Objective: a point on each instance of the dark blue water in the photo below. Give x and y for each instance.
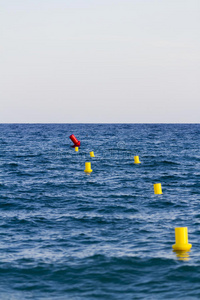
(68, 235)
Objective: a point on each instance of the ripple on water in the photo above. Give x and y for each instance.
(104, 236)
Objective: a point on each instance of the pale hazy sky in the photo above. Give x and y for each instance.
(99, 61)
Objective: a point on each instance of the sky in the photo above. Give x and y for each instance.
(99, 61)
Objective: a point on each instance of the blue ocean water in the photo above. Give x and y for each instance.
(68, 235)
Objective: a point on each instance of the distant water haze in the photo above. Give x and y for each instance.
(99, 61)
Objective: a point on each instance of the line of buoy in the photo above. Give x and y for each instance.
(181, 233)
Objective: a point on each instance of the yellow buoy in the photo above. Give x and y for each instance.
(136, 160)
(92, 154)
(157, 188)
(88, 167)
(181, 237)
(76, 149)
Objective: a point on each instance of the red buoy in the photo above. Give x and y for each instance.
(75, 141)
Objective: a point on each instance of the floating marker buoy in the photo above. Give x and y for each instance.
(88, 167)
(76, 149)
(136, 160)
(157, 188)
(181, 237)
(75, 141)
(92, 154)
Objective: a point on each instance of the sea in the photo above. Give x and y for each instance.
(67, 234)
